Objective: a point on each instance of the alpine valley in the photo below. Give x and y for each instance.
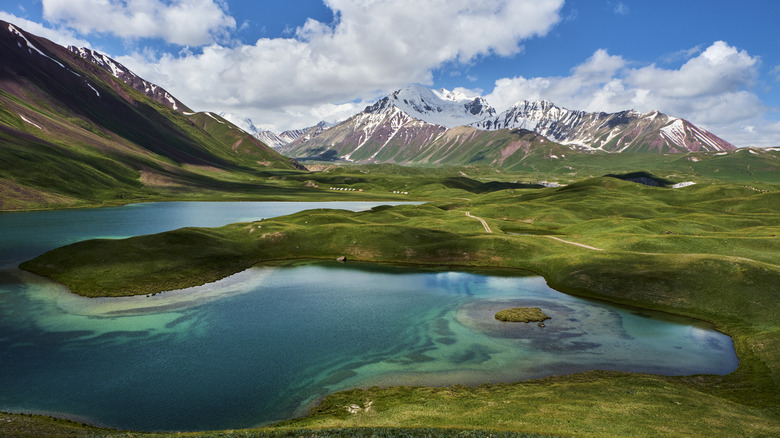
(141, 317)
(79, 128)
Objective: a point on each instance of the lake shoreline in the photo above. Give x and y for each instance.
(422, 267)
(416, 268)
(700, 286)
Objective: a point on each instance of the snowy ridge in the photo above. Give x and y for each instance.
(270, 138)
(616, 132)
(100, 59)
(30, 46)
(305, 133)
(675, 131)
(405, 124)
(244, 124)
(125, 75)
(438, 107)
(292, 134)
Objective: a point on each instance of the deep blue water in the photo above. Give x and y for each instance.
(263, 344)
(26, 235)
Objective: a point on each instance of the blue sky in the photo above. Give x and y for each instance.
(291, 64)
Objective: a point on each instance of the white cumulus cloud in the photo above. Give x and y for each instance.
(570, 91)
(372, 47)
(712, 89)
(62, 37)
(183, 22)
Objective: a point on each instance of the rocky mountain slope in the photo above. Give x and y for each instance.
(626, 131)
(72, 130)
(124, 74)
(374, 135)
(391, 136)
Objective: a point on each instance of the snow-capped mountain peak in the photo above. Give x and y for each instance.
(439, 107)
(242, 122)
(247, 125)
(453, 95)
(271, 138)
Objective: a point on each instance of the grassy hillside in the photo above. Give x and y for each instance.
(742, 165)
(705, 251)
(73, 134)
(519, 155)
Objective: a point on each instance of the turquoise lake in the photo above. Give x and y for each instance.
(264, 344)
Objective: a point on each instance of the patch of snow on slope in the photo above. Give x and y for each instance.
(93, 89)
(171, 100)
(612, 134)
(683, 184)
(12, 29)
(704, 138)
(212, 116)
(30, 122)
(675, 132)
(115, 70)
(396, 126)
(370, 122)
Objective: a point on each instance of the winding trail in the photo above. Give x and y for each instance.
(593, 248)
(575, 243)
(484, 224)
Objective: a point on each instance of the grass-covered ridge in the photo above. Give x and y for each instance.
(705, 251)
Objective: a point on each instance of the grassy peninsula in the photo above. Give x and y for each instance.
(708, 251)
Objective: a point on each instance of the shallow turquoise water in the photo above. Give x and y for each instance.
(261, 345)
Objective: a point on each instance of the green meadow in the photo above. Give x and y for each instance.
(709, 251)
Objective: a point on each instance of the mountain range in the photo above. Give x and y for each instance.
(625, 131)
(76, 125)
(270, 138)
(416, 125)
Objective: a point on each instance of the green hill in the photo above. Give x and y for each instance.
(72, 133)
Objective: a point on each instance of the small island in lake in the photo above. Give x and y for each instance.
(522, 314)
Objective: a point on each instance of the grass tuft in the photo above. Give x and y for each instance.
(522, 314)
